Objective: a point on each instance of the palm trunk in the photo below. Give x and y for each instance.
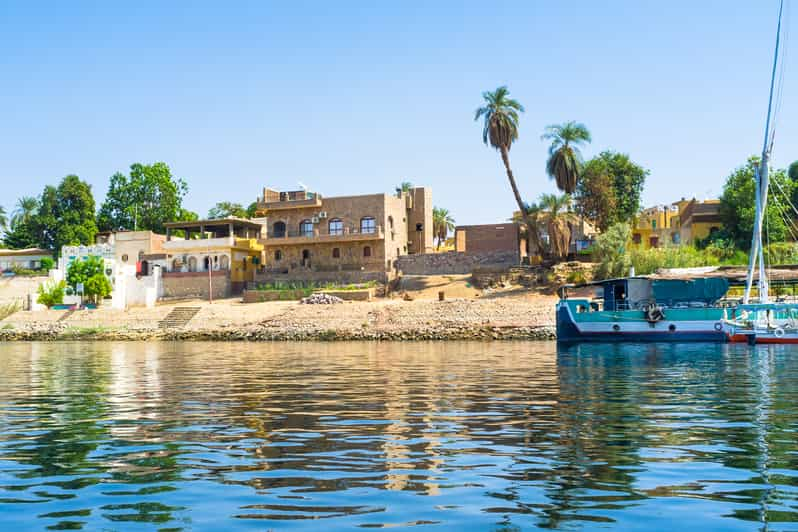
(531, 227)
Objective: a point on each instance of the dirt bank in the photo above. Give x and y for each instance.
(505, 315)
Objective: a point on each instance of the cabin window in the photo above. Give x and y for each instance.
(306, 228)
(368, 225)
(336, 227)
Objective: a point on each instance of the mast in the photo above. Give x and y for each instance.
(762, 183)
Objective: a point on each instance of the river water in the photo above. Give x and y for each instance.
(440, 436)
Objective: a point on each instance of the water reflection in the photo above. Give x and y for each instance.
(499, 436)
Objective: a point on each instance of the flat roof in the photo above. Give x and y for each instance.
(24, 252)
(214, 222)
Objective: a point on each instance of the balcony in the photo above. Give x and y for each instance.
(199, 243)
(348, 235)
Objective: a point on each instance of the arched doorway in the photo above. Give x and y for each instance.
(306, 258)
(206, 263)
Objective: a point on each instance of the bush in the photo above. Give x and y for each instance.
(51, 293)
(9, 309)
(47, 264)
(97, 287)
(80, 271)
(609, 251)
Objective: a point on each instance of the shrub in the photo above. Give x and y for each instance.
(609, 250)
(47, 264)
(9, 309)
(80, 271)
(97, 287)
(51, 293)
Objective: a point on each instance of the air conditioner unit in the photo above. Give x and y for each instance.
(323, 214)
(315, 219)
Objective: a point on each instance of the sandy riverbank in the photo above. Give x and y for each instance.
(512, 314)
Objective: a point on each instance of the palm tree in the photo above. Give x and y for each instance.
(442, 224)
(565, 160)
(24, 211)
(500, 130)
(3, 219)
(404, 186)
(558, 222)
(532, 216)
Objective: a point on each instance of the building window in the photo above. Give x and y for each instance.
(367, 251)
(368, 225)
(390, 223)
(278, 255)
(124, 257)
(336, 253)
(336, 227)
(278, 230)
(636, 238)
(224, 263)
(306, 228)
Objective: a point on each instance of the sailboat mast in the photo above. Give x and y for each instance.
(762, 183)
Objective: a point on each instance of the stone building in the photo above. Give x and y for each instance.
(491, 238)
(344, 238)
(221, 253)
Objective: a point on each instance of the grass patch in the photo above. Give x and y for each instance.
(80, 332)
(9, 309)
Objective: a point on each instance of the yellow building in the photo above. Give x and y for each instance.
(682, 222)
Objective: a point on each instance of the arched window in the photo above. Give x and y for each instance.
(278, 230)
(206, 261)
(367, 251)
(368, 225)
(224, 263)
(175, 265)
(306, 228)
(278, 255)
(336, 226)
(390, 223)
(192, 264)
(336, 253)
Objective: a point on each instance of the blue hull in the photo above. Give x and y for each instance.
(567, 332)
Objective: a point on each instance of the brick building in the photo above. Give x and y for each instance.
(311, 237)
(490, 238)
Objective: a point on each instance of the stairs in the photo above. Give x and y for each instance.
(178, 317)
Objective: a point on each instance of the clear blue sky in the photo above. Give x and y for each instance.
(354, 97)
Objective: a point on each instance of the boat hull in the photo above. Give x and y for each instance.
(701, 325)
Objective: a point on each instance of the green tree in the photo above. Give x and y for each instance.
(610, 188)
(793, 171)
(51, 293)
(596, 198)
(25, 210)
(442, 224)
(252, 209)
(225, 209)
(610, 251)
(500, 116)
(3, 219)
(737, 205)
(65, 215)
(80, 271)
(146, 199)
(97, 287)
(565, 160)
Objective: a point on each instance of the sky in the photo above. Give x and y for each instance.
(356, 97)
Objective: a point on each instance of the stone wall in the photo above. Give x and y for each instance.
(321, 277)
(453, 263)
(184, 285)
(489, 238)
(17, 288)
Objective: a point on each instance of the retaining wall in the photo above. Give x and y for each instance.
(182, 285)
(454, 263)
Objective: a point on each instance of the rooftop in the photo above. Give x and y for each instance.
(24, 252)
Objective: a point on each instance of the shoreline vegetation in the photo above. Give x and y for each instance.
(502, 315)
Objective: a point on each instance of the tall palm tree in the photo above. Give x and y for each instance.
(565, 160)
(3, 219)
(442, 224)
(24, 211)
(558, 222)
(500, 114)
